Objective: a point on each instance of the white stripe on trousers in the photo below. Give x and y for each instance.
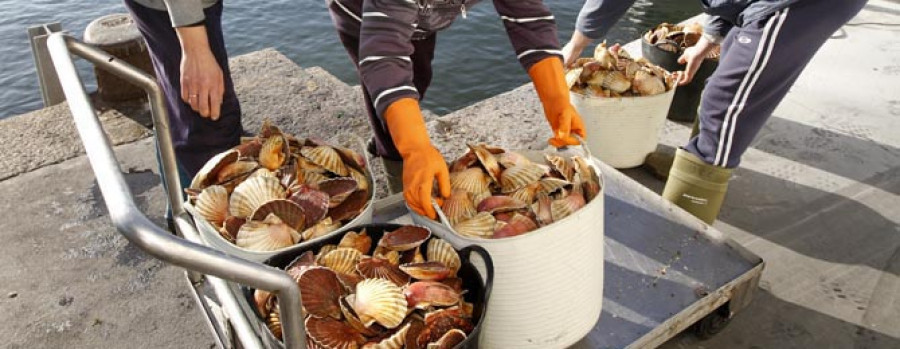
(737, 104)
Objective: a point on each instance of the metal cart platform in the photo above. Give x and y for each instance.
(665, 271)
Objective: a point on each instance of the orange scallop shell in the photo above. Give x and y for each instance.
(405, 238)
(333, 334)
(425, 294)
(326, 157)
(287, 210)
(370, 268)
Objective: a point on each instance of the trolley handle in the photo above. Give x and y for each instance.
(123, 212)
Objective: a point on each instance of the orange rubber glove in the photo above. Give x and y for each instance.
(422, 163)
(550, 83)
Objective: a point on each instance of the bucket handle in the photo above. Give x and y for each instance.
(582, 144)
(466, 254)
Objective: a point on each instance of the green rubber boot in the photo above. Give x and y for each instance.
(696, 186)
(659, 162)
(393, 171)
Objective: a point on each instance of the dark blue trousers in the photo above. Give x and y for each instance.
(760, 62)
(196, 138)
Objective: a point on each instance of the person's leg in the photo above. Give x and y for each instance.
(759, 64)
(196, 139)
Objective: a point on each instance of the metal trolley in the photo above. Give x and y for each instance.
(665, 271)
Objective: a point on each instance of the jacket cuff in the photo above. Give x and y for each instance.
(185, 12)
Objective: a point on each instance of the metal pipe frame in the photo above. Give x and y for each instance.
(125, 215)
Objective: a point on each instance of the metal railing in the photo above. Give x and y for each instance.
(185, 252)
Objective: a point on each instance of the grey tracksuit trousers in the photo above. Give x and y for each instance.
(760, 62)
(763, 53)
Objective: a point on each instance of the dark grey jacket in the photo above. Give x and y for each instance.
(598, 16)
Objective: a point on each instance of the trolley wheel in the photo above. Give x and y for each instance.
(713, 323)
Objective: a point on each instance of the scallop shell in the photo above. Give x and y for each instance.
(342, 260)
(263, 300)
(617, 82)
(572, 76)
(352, 319)
(324, 251)
(268, 129)
(562, 166)
(501, 203)
(481, 226)
(333, 334)
(425, 294)
(312, 178)
(249, 148)
(511, 159)
(338, 189)
(515, 178)
(360, 241)
(562, 208)
(596, 79)
(604, 57)
(380, 268)
(273, 322)
(326, 157)
(350, 280)
(527, 194)
(263, 172)
(517, 225)
(449, 340)
(472, 180)
(235, 173)
(230, 228)
(274, 153)
(252, 193)
(320, 292)
(647, 84)
(551, 185)
(467, 160)
(390, 255)
(487, 159)
(439, 322)
(211, 168)
(412, 256)
(362, 181)
(631, 69)
(405, 238)
(322, 228)
(455, 283)
(459, 206)
(441, 251)
(287, 210)
(543, 209)
(212, 204)
(350, 208)
(429, 271)
(395, 341)
(379, 300)
(269, 235)
(313, 202)
(300, 264)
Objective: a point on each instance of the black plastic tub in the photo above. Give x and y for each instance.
(478, 286)
(687, 98)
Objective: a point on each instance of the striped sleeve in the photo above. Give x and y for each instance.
(384, 48)
(531, 29)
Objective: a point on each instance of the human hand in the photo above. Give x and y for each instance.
(572, 50)
(551, 87)
(420, 170)
(692, 58)
(202, 80)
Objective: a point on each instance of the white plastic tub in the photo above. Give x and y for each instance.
(548, 286)
(622, 131)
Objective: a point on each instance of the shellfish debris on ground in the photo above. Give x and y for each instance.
(613, 73)
(310, 186)
(352, 297)
(526, 196)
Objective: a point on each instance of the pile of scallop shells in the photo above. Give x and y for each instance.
(676, 37)
(498, 193)
(274, 190)
(612, 72)
(389, 295)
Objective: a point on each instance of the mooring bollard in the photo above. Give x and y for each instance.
(118, 35)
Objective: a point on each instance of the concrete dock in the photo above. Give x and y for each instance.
(817, 197)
